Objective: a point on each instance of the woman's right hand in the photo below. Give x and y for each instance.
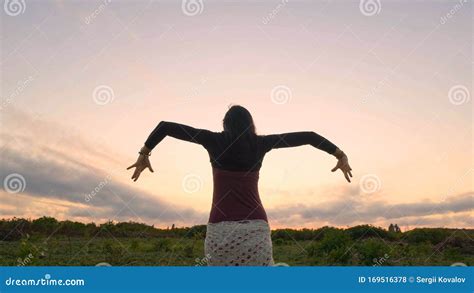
(343, 164)
(141, 164)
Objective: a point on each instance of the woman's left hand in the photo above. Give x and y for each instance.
(141, 164)
(343, 164)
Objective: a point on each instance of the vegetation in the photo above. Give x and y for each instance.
(46, 241)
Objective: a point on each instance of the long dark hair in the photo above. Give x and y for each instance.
(238, 122)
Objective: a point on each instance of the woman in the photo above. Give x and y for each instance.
(238, 232)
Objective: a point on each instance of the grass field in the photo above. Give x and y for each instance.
(46, 241)
(190, 252)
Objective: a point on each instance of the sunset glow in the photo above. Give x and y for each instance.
(84, 83)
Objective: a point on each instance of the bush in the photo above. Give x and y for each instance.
(135, 244)
(14, 229)
(162, 245)
(370, 250)
(340, 255)
(45, 225)
(431, 235)
(188, 250)
(368, 231)
(279, 241)
(333, 240)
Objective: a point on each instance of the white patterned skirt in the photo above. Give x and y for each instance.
(239, 243)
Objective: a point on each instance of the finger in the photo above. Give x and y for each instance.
(135, 173)
(150, 168)
(350, 173)
(136, 178)
(347, 177)
(335, 168)
(134, 165)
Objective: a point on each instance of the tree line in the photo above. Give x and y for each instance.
(16, 228)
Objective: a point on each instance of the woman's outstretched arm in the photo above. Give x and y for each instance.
(294, 139)
(176, 130)
(179, 131)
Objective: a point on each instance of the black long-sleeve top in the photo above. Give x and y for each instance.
(236, 162)
(241, 153)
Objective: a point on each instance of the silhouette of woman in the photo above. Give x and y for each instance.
(237, 232)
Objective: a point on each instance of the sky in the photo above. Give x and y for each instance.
(83, 83)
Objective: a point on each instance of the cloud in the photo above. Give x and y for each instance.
(92, 193)
(61, 176)
(357, 209)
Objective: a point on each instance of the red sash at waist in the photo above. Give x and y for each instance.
(236, 197)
